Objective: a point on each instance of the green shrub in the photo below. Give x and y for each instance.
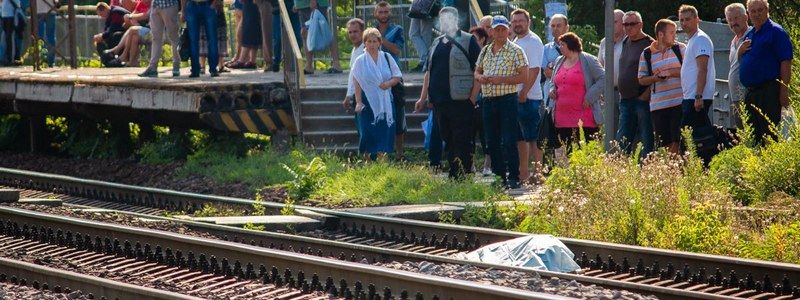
(11, 134)
(775, 169)
(728, 166)
(164, 149)
(306, 178)
(779, 242)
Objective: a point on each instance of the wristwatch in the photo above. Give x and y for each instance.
(698, 97)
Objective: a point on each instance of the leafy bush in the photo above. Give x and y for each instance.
(775, 169)
(11, 132)
(728, 166)
(306, 178)
(164, 149)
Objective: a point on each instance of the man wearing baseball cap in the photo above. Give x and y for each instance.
(500, 67)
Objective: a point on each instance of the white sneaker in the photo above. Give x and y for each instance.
(486, 172)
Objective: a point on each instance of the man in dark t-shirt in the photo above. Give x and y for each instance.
(451, 67)
(634, 106)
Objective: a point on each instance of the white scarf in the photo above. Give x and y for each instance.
(370, 74)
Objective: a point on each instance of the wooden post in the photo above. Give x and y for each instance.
(35, 37)
(38, 133)
(73, 46)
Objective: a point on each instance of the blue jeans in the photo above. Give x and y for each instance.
(501, 128)
(635, 122)
(277, 26)
(198, 13)
(47, 32)
(421, 34)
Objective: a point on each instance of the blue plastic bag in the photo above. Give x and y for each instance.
(319, 32)
(427, 127)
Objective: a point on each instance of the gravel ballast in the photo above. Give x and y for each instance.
(13, 292)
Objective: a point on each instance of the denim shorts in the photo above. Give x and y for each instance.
(529, 115)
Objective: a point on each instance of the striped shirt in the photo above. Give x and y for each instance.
(667, 93)
(503, 63)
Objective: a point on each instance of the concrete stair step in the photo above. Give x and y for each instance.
(334, 108)
(338, 138)
(347, 122)
(337, 93)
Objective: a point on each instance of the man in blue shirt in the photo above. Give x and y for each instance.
(765, 57)
(393, 44)
(559, 25)
(393, 41)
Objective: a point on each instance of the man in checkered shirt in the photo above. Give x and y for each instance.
(500, 67)
(163, 19)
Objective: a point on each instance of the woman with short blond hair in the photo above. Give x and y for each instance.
(374, 74)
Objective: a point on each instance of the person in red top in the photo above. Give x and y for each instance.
(578, 83)
(127, 51)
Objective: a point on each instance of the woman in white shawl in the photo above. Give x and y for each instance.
(375, 73)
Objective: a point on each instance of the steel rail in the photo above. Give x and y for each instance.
(24, 273)
(426, 285)
(469, 237)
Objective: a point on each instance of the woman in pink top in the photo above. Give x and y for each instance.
(578, 82)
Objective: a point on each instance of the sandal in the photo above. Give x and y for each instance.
(333, 71)
(249, 65)
(235, 65)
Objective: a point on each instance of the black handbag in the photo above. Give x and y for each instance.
(184, 48)
(424, 9)
(398, 90)
(548, 139)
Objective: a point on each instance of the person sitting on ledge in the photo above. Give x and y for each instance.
(114, 26)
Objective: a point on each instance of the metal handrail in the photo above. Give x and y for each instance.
(476, 10)
(295, 47)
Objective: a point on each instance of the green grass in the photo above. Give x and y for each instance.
(384, 183)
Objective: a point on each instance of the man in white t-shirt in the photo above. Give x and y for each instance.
(697, 72)
(530, 94)
(355, 30)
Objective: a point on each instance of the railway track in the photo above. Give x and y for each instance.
(221, 266)
(664, 273)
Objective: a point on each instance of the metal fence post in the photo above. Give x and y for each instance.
(73, 50)
(610, 126)
(35, 37)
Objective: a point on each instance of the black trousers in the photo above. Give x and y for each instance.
(456, 126)
(763, 109)
(11, 32)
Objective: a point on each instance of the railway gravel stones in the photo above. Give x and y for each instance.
(519, 280)
(13, 292)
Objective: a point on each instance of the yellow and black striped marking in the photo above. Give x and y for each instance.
(263, 121)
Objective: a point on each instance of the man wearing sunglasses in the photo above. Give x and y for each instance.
(634, 106)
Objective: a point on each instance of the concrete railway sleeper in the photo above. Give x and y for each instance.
(237, 260)
(709, 274)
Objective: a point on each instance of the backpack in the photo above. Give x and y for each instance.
(424, 9)
(648, 57)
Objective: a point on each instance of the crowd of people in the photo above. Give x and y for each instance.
(522, 96)
(130, 24)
